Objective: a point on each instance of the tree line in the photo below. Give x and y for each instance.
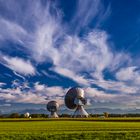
(104, 115)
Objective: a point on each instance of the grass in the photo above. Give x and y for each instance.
(70, 129)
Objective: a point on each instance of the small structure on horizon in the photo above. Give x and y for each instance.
(27, 115)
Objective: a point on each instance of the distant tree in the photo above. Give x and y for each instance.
(35, 115)
(14, 115)
(38, 115)
(94, 115)
(65, 115)
(1, 116)
(115, 115)
(106, 114)
(22, 116)
(44, 116)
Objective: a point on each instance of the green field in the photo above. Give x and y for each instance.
(70, 129)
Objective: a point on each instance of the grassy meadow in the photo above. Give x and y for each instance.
(70, 129)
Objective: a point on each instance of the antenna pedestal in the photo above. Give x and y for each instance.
(53, 115)
(80, 112)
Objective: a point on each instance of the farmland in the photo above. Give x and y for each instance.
(71, 129)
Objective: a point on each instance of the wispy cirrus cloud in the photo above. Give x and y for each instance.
(129, 74)
(11, 30)
(49, 41)
(90, 11)
(117, 87)
(19, 65)
(72, 75)
(2, 84)
(109, 100)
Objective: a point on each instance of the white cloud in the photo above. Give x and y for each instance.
(90, 54)
(70, 74)
(50, 42)
(11, 31)
(98, 95)
(39, 94)
(5, 105)
(129, 74)
(2, 84)
(117, 86)
(126, 74)
(87, 11)
(123, 101)
(19, 65)
(19, 75)
(39, 87)
(69, 52)
(44, 38)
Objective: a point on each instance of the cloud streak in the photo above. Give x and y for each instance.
(38, 94)
(11, 31)
(90, 11)
(19, 65)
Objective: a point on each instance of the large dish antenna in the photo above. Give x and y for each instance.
(75, 99)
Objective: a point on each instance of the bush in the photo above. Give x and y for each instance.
(14, 115)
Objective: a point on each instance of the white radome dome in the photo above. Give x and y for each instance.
(26, 115)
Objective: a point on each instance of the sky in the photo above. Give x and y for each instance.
(49, 46)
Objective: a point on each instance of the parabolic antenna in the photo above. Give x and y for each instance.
(75, 99)
(52, 107)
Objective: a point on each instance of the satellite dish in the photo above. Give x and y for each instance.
(27, 115)
(75, 99)
(52, 107)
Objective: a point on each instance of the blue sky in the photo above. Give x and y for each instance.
(48, 46)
